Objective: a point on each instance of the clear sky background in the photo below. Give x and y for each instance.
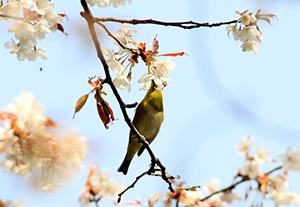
(217, 95)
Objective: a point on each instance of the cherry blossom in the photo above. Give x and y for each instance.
(230, 196)
(22, 29)
(244, 146)
(211, 185)
(122, 82)
(290, 160)
(12, 9)
(190, 197)
(235, 31)
(262, 155)
(37, 20)
(265, 17)
(251, 169)
(249, 32)
(250, 46)
(285, 198)
(43, 6)
(247, 18)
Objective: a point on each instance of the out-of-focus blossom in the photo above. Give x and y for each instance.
(100, 184)
(153, 199)
(244, 146)
(251, 169)
(17, 203)
(290, 160)
(229, 196)
(280, 182)
(262, 155)
(35, 147)
(211, 185)
(106, 3)
(191, 197)
(285, 198)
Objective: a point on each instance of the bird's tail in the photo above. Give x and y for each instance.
(124, 166)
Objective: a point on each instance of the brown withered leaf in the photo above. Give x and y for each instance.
(105, 112)
(61, 28)
(80, 103)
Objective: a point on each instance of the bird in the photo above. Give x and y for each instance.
(148, 118)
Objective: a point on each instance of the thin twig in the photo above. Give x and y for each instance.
(131, 186)
(184, 24)
(244, 179)
(116, 39)
(188, 188)
(142, 175)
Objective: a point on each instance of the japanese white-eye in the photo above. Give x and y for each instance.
(147, 120)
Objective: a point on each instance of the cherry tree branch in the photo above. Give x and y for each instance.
(142, 175)
(244, 179)
(184, 24)
(87, 15)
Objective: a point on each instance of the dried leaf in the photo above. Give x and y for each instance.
(61, 28)
(105, 112)
(80, 103)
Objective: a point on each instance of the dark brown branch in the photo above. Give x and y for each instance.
(90, 20)
(184, 25)
(110, 34)
(244, 179)
(133, 105)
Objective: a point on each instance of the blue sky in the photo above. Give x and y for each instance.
(217, 95)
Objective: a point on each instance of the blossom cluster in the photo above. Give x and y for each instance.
(250, 34)
(157, 70)
(35, 147)
(106, 3)
(100, 184)
(193, 197)
(273, 187)
(34, 19)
